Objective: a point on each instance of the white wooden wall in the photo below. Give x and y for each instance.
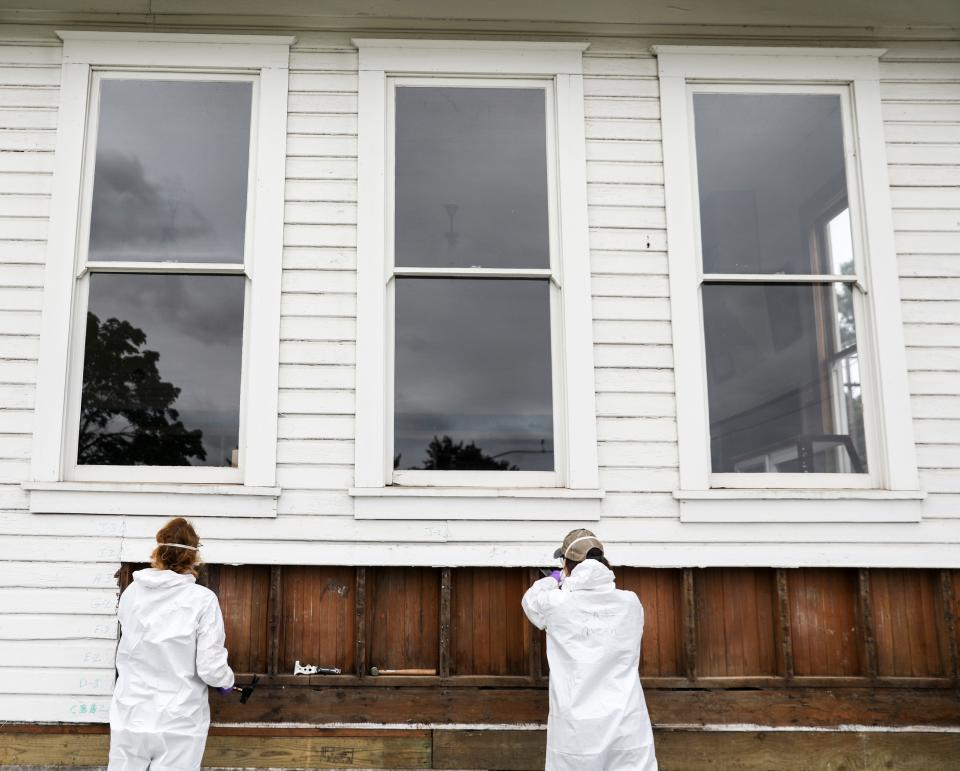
(57, 591)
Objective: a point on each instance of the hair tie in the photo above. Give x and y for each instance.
(178, 546)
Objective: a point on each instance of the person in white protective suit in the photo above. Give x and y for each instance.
(171, 649)
(598, 718)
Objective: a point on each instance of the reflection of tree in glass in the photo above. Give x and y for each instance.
(444, 455)
(126, 416)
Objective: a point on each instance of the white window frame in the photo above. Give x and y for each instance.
(891, 457)
(56, 480)
(557, 67)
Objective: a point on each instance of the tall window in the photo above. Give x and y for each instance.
(474, 338)
(159, 350)
(788, 343)
(779, 283)
(163, 276)
(472, 278)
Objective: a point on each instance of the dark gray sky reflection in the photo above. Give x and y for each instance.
(195, 323)
(473, 362)
(471, 178)
(170, 182)
(768, 165)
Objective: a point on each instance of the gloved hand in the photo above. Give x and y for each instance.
(557, 575)
(225, 691)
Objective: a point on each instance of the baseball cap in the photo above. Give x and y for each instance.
(576, 545)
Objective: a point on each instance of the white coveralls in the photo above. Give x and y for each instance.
(170, 650)
(598, 717)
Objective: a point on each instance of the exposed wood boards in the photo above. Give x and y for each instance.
(403, 616)
(661, 593)
(510, 750)
(317, 620)
(794, 706)
(822, 608)
(488, 630)
(244, 593)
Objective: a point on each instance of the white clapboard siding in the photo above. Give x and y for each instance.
(57, 585)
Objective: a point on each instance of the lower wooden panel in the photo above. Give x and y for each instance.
(765, 707)
(402, 750)
(507, 750)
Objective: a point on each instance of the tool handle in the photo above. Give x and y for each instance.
(406, 672)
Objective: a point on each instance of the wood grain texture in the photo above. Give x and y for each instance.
(243, 592)
(488, 633)
(908, 623)
(317, 624)
(403, 617)
(794, 706)
(506, 750)
(661, 594)
(823, 621)
(400, 751)
(736, 622)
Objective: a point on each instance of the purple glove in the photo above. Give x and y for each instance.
(225, 691)
(557, 575)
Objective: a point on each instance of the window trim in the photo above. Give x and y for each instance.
(893, 454)
(382, 60)
(263, 58)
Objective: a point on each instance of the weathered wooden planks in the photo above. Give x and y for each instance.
(400, 750)
(661, 593)
(822, 605)
(403, 617)
(244, 592)
(909, 623)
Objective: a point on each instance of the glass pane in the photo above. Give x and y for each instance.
(473, 377)
(471, 178)
(770, 169)
(783, 378)
(170, 180)
(161, 371)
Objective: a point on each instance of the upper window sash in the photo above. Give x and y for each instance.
(383, 65)
(686, 69)
(88, 58)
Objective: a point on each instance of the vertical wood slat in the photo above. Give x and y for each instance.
(869, 640)
(908, 623)
(318, 617)
(660, 591)
(689, 624)
(736, 622)
(784, 626)
(403, 616)
(824, 622)
(360, 623)
(444, 653)
(276, 614)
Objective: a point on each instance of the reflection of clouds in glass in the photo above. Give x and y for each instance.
(471, 177)
(195, 323)
(170, 181)
(473, 362)
(768, 167)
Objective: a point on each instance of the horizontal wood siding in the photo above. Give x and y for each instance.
(57, 585)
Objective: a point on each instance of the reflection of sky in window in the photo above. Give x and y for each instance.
(768, 167)
(195, 323)
(471, 178)
(473, 363)
(170, 181)
(841, 244)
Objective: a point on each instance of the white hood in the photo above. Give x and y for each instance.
(589, 576)
(162, 579)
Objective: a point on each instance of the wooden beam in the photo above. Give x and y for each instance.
(689, 605)
(868, 640)
(275, 605)
(790, 706)
(784, 627)
(444, 654)
(360, 621)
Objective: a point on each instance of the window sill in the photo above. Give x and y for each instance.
(801, 505)
(159, 500)
(486, 503)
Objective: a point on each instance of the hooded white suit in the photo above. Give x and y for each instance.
(170, 650)
(598, 717)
